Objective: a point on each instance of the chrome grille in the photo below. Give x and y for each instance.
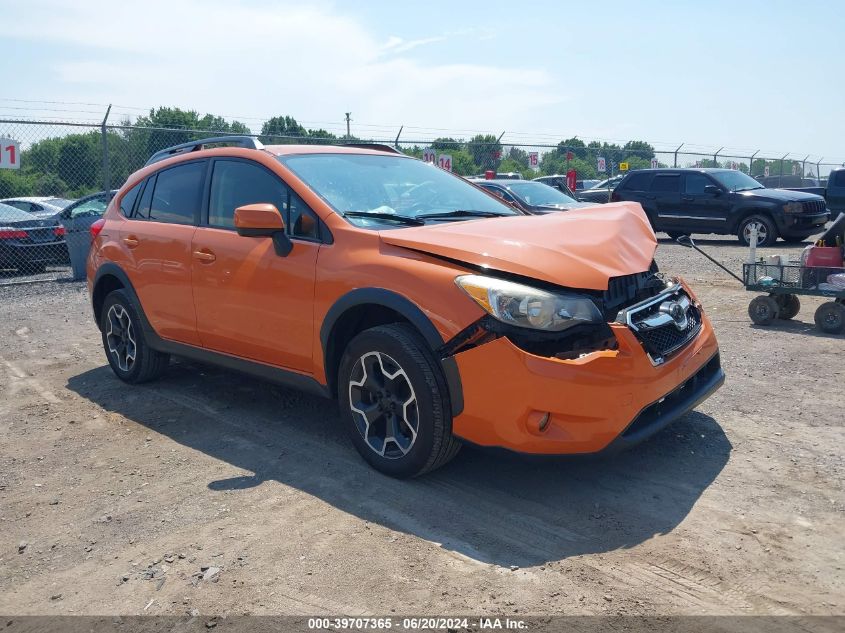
(664, 324)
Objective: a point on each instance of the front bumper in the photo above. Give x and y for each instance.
(605, 400)
(803, 224)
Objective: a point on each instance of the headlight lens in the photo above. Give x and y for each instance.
(529, 307)
(793, 207)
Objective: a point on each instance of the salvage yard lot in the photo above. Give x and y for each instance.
(214, 492)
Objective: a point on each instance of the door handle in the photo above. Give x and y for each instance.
(131, 241)
(205, 255)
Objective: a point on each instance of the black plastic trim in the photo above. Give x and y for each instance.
(409, 310)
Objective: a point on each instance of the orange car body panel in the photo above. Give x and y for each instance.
(591, 400)
(212, 288)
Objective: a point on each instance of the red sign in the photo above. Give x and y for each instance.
(570, 179)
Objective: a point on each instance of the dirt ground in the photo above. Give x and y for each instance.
(211, 492)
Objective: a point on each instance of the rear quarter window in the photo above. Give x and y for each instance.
(127, 203)
(637, 182)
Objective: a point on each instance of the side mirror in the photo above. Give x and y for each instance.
(263, 220)
(713, 190)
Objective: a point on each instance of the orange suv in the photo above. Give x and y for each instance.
(435, 313)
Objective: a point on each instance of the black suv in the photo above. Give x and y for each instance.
(722, 201)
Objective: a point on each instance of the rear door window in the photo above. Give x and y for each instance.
(666, 183)
(839, 178)
(177, 195)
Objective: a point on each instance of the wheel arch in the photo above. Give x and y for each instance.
(363, 308)
(109, 277)
(745, 212)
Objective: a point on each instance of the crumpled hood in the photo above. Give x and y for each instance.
(577, 249)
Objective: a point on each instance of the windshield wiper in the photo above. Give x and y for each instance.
(402, 219)
(749, 188)
(464, 213)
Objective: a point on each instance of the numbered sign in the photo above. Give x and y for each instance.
(654, 163)
(601, 165)
(533, 160)
(429, 155)
(10, 154)
(766, 171)
(445, 162)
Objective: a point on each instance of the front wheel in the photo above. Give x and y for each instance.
(395, 401)
(767, 232)
(129, 356)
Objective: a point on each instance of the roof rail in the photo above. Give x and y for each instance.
(381, 147)
(193, 146)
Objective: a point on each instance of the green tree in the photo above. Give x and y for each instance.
(285, 127)
(486, 151)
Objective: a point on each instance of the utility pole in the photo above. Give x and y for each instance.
(348, 121)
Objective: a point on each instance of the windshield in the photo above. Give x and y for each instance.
(736, 180)
(390, 185)
(58, 202)
(538, 194)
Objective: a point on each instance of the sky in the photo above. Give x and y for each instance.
(746, 75)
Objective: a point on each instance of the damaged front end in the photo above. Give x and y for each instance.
(579, 337)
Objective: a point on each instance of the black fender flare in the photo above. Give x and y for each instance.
(415, 316)
(112, 269)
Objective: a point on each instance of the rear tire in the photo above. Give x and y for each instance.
(395, 401)
(830, 317)
(767, 231)
(130, 357)
(788, 306)
(763, 310)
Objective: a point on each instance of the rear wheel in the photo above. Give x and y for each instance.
(767, 232)
(129, 356)
(763, 310)
(788, 306)
(830, 317)
(395, 401)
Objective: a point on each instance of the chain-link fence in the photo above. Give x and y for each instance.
(57, 178)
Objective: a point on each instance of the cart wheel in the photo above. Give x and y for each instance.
(830, 317)
(763, 310)
(788, 306)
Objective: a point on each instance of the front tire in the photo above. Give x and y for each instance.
(395, 402)
(767, 232)
(129, 356)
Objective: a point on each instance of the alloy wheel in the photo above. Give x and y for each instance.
(120, 337)
(384, 405)
(762, 232)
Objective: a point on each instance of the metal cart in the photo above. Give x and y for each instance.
(783, 283)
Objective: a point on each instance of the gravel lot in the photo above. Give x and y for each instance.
(213, 492)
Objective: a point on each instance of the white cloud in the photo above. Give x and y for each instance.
(310, 61)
